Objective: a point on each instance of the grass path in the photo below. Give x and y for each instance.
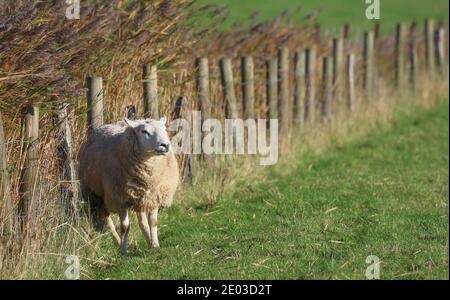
(385, 195)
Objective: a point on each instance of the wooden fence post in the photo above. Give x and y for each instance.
(203, 92)
(228, 88)
(440, 50)
(272, 88)
(399, 55)
(317, 34)
(413, 60)
(351, 81)
(284, 107)
(327, 87)
(338, 53)
(95, 96)
(368, 59)
(310, 70)
(5, 196)
(29, 176)
(181, 110)
(65, 153)
(248, 87)
(299, 91)
(150, 84)
(376, 44)
(346, 32)
(377, 30)
(429, 50)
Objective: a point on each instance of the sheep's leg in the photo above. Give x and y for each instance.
(154, 227)
(125, 228)
(143, 224)
(112, 227)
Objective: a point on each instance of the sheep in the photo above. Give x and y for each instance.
(129, 165)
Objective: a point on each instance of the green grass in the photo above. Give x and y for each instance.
(384, 195)
(336, 12)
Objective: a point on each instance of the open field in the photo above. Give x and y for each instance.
(333, 13)
(385, 194)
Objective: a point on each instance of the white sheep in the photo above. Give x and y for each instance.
(129, 164)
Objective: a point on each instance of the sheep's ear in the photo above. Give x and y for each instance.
(129, 122)
(163, 120)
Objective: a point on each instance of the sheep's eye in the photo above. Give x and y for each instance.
(145, 132)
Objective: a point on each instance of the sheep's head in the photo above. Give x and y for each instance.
(151, 135)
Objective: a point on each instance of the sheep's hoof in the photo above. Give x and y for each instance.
(155, 246)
